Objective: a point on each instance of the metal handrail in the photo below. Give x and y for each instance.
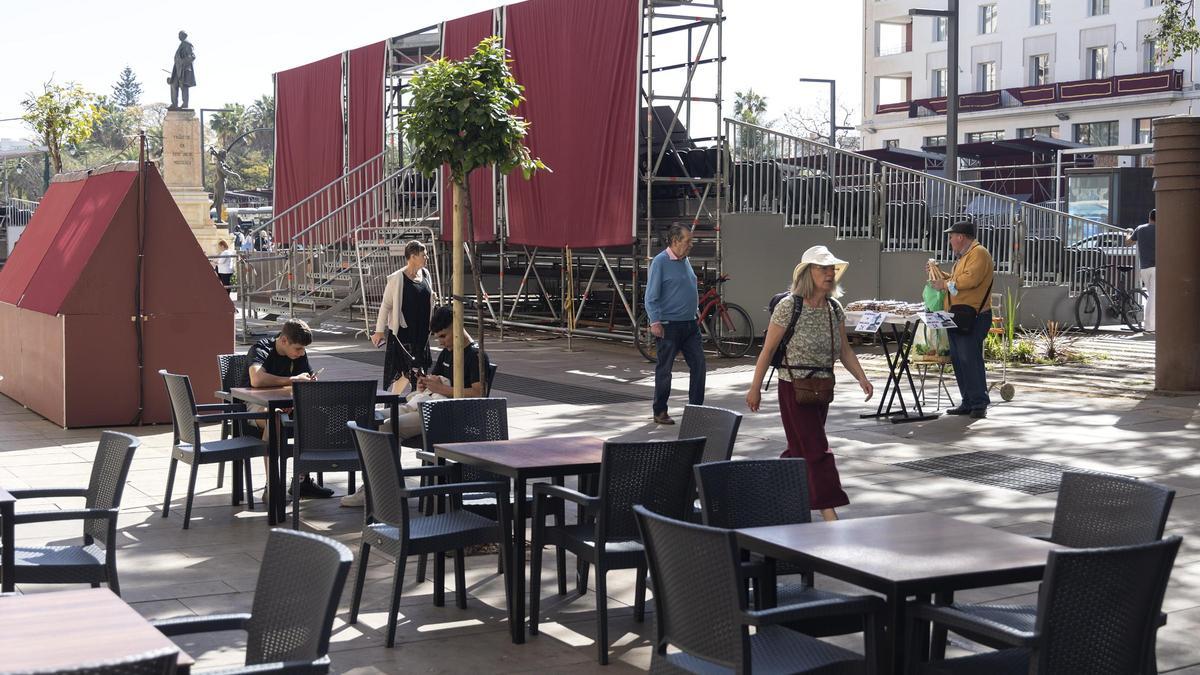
(319, 191)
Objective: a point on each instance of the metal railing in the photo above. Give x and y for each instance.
(15, 214)
(378, 254)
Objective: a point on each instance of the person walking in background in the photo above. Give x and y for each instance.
(403, 320)
(810, 325)
(970, 300)
(671, 308)
(225, 263)
(1143, 235)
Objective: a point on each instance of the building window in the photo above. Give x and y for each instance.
(894, 38)
(1041, 12)
(1143, 130)
(984, 136)
(987, 19)
(941, 26)
(1030, 132)
(934, 141)
(891, 143)
(1096, 133)
(894, 89)
(1152, 57)
(1097, 7)
(1039, 70)
(1097, 63)
(985, 76)
(937, 82)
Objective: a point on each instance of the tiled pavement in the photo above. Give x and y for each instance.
(1057, 417)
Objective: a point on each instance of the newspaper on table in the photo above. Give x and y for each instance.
(870, 322)
(936, 320)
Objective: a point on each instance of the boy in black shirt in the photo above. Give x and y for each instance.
(441, 326)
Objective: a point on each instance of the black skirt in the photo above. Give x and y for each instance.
(401, 358)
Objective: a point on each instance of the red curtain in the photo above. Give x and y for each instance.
(578, 62)
(308, 142)
(365, 116)
(459, 39)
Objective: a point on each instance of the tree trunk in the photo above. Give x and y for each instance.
(476, 273)
(456, 287)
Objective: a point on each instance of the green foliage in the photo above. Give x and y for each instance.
(250, 154)
(749, 106)
(61, 115)
(1176, 32)
(127, 91)
(461, 115)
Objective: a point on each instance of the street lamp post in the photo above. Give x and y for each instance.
(951, 16)
(833, 125)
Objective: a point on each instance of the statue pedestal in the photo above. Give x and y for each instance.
(182, 155)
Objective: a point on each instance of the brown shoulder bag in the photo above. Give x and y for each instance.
(809, 390)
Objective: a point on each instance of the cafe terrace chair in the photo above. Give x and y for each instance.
(158, 662)
(656, 474)
(287, 630)
(1093, 510)
(701, 610)
(759, 493)
(235, 372)
(322, 442)
(717, 425)
(390, 525)
(189, 448)
(95, 560)
(1097, 613)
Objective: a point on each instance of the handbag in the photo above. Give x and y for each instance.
(809, 390)
(964, 315)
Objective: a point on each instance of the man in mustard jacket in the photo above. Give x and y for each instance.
(969, 287)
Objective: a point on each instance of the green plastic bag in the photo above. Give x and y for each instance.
(934, 299)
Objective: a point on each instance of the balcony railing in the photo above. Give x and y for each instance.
(1059, 92)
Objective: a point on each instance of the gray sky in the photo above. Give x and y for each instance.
(769, 43)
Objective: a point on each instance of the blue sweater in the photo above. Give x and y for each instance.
(671, 293)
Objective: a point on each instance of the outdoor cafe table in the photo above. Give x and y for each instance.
(275, 399)
(63, 630)
(522, 459)
(917, 554)
(7, 541)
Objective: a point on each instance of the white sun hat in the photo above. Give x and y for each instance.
(820, 255)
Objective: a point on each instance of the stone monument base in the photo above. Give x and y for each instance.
(182, 155)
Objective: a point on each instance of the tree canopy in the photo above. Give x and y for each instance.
(62, 115)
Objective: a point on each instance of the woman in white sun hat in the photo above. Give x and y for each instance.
(806, 376)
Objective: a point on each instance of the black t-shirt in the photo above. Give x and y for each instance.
(444, 367)
(263, 353)
(417, 297)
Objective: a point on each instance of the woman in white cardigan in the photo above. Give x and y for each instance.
(403, 321)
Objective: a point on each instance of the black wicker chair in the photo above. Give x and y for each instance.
(235, 372)
(158, 662)
(1097, 614)
(657, 474)
(717, 425)
(287, 630)
(95, 561)
(759, 493)
(322, 442)
(188, 448)
(1092, 511)
(701, 610)
(389, 524)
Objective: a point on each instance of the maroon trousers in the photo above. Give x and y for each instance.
(805, 429)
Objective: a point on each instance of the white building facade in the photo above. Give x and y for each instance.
(1078, 70)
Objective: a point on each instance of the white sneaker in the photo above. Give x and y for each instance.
(357, 498)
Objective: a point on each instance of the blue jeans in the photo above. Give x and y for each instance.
(679, 336)
(966, 353)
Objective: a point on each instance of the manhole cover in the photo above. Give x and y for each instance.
(988, 468)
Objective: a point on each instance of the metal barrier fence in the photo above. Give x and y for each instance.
(378, 254)
(15, 214)
(813, 184)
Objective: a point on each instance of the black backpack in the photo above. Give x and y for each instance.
(777, 357)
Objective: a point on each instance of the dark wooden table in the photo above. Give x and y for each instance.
(275, 399)
(522, 459)
(67, 629)
(7, 541)
(916, 554)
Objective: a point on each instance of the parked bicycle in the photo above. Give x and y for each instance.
(1102, 299)
(726, 324)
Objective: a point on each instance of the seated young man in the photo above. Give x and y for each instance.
(437, 384)
(278, 362)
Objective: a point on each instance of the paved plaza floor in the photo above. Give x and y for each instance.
(1097, 417)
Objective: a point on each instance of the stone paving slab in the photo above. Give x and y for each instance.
(212, 567)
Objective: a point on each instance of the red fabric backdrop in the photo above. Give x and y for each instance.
(308, 139)
(578, 62)
(459, 39)
(366, 102)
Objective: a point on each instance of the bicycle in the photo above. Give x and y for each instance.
(725, 323)
(1102, 299)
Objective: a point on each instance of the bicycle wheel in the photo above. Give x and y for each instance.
(732, 330)
(1088, 310)
(646, 343)
(1133, 309)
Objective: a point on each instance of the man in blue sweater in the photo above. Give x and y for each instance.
(671, 299)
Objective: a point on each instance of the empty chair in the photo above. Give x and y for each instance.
(718, 426)
(656, 474)
(1097, 613)
(234, 370)
(95, 560)
(322, 442)
(1093, 510)
(299, 584)
(701, 610)
(188, 447)
(390, 525)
